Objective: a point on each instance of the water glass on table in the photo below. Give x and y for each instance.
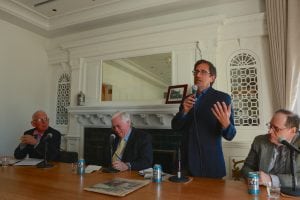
(5, 161)
(273, 191)
(74, 167)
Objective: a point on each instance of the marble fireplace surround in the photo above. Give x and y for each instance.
(157, 116)
(142, 116)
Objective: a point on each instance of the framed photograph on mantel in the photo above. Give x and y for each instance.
(176, 93)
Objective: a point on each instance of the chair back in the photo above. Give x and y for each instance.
(236, 169)
(167, 159)
(68, 156)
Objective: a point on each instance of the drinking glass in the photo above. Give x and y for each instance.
(273, 191)
(5, 161)
(74, 167)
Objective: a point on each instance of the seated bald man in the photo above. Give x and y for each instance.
(33, 140)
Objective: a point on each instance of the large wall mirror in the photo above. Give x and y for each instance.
(136, 78)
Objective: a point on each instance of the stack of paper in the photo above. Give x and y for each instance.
(29, 161)
(91, 168)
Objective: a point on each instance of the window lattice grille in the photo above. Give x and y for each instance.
(63, 99)
(244, 90)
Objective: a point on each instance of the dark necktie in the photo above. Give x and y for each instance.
(281, 164)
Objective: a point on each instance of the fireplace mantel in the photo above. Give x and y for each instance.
(150, 116)
(143, 116)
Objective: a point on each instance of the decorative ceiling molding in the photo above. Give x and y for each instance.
(73, 16)
(28, 15)
(78, 16)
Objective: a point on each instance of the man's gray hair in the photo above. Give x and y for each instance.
(124, 116)
(38, 111)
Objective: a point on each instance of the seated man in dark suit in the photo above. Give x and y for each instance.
(33, 140)
(132, 147)
(269, 157)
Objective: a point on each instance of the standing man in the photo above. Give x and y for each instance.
(205, 117)
(33, 140)
(269, 157)
(132, 148)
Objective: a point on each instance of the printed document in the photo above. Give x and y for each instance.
(29, 161)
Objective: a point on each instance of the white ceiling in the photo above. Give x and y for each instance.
(51, 8)
(59, 17)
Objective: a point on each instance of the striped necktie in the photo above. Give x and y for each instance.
(119, 152)
(281, 162)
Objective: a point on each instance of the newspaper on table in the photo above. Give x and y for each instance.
(118, 186)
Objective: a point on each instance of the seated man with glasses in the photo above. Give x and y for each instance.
(269, 157)
(33, 140)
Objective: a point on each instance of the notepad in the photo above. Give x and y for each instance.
(29, 161)
(92, 168)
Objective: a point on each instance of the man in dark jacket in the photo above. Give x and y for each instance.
(205, 117)
(33, 140)
(132, 147)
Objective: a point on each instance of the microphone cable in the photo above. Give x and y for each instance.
(202, 169)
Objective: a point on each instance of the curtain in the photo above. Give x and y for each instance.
(284, 42)
(293, 54)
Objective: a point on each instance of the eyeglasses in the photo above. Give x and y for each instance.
(45, 119)
(202, 72)
(276, 129)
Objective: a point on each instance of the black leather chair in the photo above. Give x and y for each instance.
(68, 157)
(167, 159)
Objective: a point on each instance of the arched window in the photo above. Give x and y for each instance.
(63, 99)
(244, 88)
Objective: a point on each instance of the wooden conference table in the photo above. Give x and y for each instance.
(59, 182)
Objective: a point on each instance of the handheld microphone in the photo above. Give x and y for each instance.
(194, 90)
(48, 136)
(289, 145)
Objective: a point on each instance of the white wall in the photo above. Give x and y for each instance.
(23, 82)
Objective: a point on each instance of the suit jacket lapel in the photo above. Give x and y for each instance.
(267, 155)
